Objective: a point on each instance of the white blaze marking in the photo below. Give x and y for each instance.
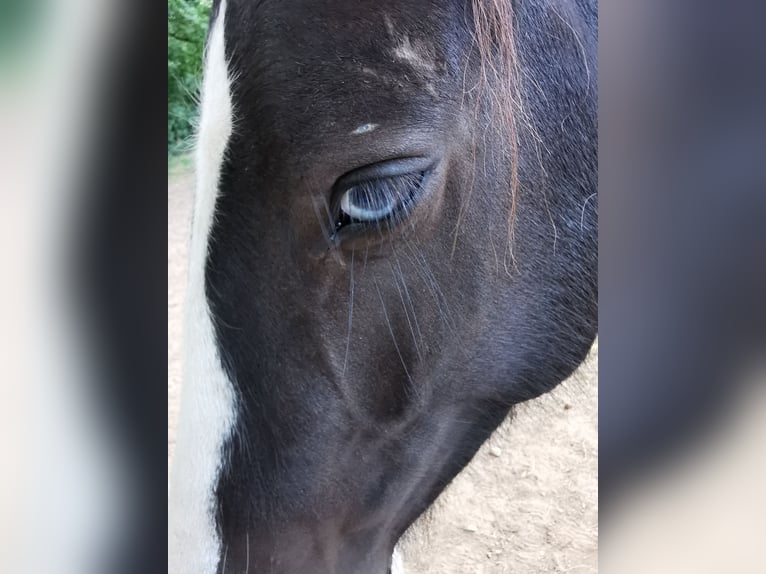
(416, 55)
(207, 402)
(364, 129)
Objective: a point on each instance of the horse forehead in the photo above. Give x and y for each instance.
(311, 75)
(293, 45)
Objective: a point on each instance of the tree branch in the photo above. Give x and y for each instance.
(181, 38)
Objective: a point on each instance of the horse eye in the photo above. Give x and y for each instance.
(379, 199)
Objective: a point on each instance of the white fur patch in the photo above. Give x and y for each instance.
(364, 129)
(207, 402)
(416, 55)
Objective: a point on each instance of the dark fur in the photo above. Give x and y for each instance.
(336, 454)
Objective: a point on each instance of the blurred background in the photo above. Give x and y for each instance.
(187, 29)
(82, 304)
(682, 278)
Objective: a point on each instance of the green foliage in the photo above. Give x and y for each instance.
(21, 28)
(187, 27)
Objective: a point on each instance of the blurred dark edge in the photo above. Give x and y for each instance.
(682, 240)
(123, 269)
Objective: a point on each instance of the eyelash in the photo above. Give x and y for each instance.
(380, 200)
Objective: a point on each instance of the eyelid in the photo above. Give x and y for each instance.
(389, 168)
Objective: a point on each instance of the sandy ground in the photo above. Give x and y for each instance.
(527, 504)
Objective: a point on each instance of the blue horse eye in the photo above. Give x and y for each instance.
(379, 199)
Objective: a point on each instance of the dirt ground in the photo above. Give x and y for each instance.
(527, 504)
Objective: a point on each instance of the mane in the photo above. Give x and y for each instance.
(494, 36)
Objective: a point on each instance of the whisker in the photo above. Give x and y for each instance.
(326, 222)
(438, 295)
(350, 313)
(391, 331)
(579, 43)
(409, 299)
(247, 552)
(406, 310)
(582, 215)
